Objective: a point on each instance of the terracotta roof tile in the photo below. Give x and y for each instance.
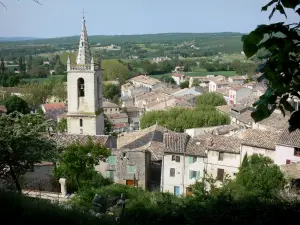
(109, 105)
(260, 138)
(291, 139)
(175, 142)
(275, 121)
(54, 106)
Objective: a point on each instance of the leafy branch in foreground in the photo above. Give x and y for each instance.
(281, 63)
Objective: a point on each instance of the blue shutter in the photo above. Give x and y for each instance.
(198, 175)
(191, 159)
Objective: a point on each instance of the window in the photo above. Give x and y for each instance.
(220, 174)
(172, 172)
(80, 86)
(189, 191)
(116, 109)
(110, 174)
(80, 122)
(131, 169)
(176, 158)
(105, 110)
(194, 174)
(81, 131)
(176, 190)
(112, 160)
(297, 152)
(111, 110)
(221, 156)
(192, 159)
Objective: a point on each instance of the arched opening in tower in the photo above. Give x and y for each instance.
(80, 85)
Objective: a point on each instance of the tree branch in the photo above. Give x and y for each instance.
(36, 1)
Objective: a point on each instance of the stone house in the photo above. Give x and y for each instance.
(213, 85)
(54, 110)
(143, 151)
(259, 142)
(237, 80)
(118, 120)
(288, 147)
(238, 93)
(146, 81)
(183, 163)
(134, 115)
(110, 108)
(223, 156)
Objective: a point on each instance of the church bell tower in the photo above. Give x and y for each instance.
(84, 80)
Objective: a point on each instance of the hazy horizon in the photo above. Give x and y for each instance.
(55, 18)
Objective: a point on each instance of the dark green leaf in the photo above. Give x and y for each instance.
(290, 3)
(272, 13)
(280, 8)
(298, 11)
(265, 8)
(251, 41)
(282, 110)
(288, 106)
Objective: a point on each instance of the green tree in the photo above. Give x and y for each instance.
(110, 91)
(59, 68)
(2, 66)
(258, 176)
(29, 63)
(107, 126)
(36, 93)
(21, 146)
(167, 79)
(114, 69)
(280, 41)
(60, 91)
(210, 98)
(62, 125)
(184, 84)
(15, 103)
(78, 160)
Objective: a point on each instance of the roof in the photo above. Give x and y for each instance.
(219, 143)
(3, 109)
(145, 79)
(260, 138)
(196, 146)
(150, 139)
(224, 108)
(238, 78)
(239, 107)
(54, 106)
(109, 105)
(291, 170)
(291, 139)
(64, 140)
(275, 121)
(226, 129)
(117, 116)
(133, 109)
(175, 142)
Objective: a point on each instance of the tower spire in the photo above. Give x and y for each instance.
(84, 53)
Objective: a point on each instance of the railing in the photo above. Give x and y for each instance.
(80, 67)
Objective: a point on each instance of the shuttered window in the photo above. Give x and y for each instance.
(220, 174)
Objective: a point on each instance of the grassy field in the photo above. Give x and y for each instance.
(42, 80)
(200, 73)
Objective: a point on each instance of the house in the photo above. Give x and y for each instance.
(275, 122)
(259, 142)
(134, 115)
(3, 110)
(237, 93)
(110, 108)
(143, 151)
(189, 91)
(183, 163)
(54, 110)
(131, 90)
(223, 156)
(146, 81)
(178, 78)
(288, 147)
(213, 85)
(237, 79)
(118, 120)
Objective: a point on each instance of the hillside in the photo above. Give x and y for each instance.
(144, 38)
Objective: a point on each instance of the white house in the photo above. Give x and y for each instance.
(213, 86)
(146, 81)
(223, 157)
(288, 147)
(238, 93)
(237, 80)
(178, 78)
(183, 163)
(110, 108)
(259, 142)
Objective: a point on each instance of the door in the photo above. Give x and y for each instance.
(176, 190)
(129, 182)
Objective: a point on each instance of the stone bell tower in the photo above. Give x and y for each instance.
(84, 80)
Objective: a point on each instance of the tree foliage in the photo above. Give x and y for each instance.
(62, 125)
(258, 176)
(15, 103)
(281, 67)
(114, 69)
(210, 98)
(78, 160)
(179, 119)
(111, 92)
(21, 145)
(184, 84)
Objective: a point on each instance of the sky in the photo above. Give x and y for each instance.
(59, 18)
